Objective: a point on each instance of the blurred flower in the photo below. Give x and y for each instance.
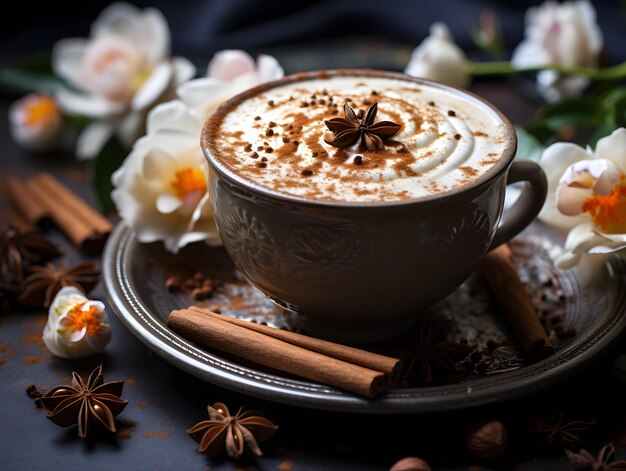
(439, 58)
(119, 73)
(587, 196)
(564, 34)
(489, 35)
(35, 121)
(161, 190)
(77, 327)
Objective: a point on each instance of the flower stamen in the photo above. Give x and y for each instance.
(40, 109)
(189, 180)
(608, 212)
(89, 319)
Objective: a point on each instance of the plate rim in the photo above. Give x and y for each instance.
(224, 373)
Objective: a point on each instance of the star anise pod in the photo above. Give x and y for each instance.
(18, 250)
(86, 404)
(556, 431)
(43, 283)
(585, 461)
(353, 128)
(424, 358)
(233, 433)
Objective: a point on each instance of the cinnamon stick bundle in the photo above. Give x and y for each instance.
(248, 342)
(28, 206)
(501, 275)
(43, 196)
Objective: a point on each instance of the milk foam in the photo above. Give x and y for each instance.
(277, 140)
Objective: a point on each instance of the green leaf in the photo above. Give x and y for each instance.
(27, 81)
(528, 146)
(585, 111)
(102, 167)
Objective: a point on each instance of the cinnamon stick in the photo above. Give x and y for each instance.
(28, 205)
(389, 366)
(84, 226)
(501, 275)
(269, 351)
(54, 187)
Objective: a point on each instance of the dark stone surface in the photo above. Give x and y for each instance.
(164, 401)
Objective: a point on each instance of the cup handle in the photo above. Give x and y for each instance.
(529, 203)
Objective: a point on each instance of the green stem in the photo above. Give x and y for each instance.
(506, 68)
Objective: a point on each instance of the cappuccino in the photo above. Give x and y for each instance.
(278, 139)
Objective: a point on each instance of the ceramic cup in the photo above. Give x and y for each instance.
(360, 272)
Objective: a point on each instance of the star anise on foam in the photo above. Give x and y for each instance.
(353, 128)
(556, 431)
(426, 359)
(43, 283)
(585, 461)
(86, 404)
(234, 433)
(19, 250)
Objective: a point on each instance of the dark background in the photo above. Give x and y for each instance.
(327, 27)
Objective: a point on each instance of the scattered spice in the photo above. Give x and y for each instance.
(257, 118)
(44, 282)
(457, 136)
(33, 392)
(86, 404)
(431, 103)
(585, 461)
(271, 103)
(488, 440)
(271, 124)
(555, 431)
(451, 113)
(269, 132)
(358, 160)
(234, 434)
(307, 172)
(424, 359)
(410, 463)
(199, 285)
(269, 150)
(254, 155)
(248, 147)
(18, 252)
(353, 129)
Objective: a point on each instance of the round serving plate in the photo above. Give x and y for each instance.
(593, 317)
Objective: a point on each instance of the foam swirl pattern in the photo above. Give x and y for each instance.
(276, 139)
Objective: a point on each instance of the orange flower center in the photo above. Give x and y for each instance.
(188, 180)
(608, 212)
(40, 109)
(90, 319)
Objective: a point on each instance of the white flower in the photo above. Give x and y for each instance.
(161, 190)
(120, 72)
(565, 34)
(587, 196)
(439, 58)
(35, 121)
(77, 327)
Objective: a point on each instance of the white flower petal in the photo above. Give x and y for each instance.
(158, 165)
(167, 203)
(570, 199)
(204, 95)
(78, 335)
(269, 68)
(173, 116)
(156, 34)
(613, 147)
(555, 160)
(585, 239)
(153, 87)
(184, 70)
(93, 138)
(90, 106)
(228, 64)
(529, 54)
(439, 58)
(67, 55)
